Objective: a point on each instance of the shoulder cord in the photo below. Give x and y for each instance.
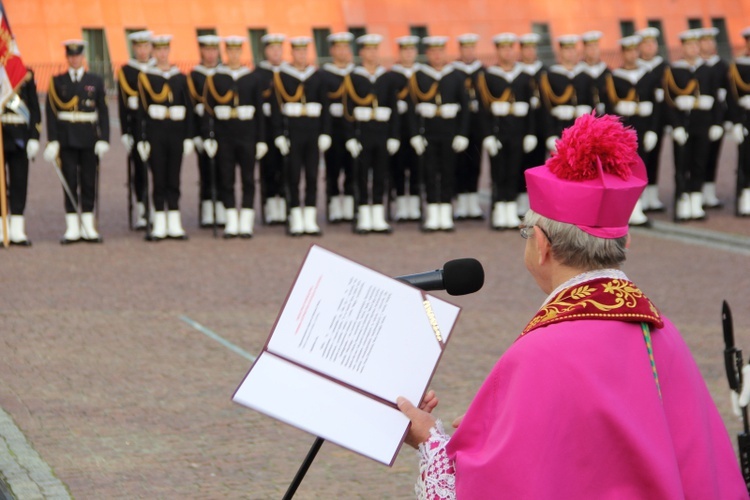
(671, 87)
(57, 103)
(737, 82)
(161, 97)
(125, 89)
(612, 92)
(417, 94)
(553, 99)
(281, 93)
(220, 99)
(339, 93)
(486, 95)
(197, 98)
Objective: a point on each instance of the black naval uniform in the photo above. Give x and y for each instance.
(271, 165)
(166, 111)
(16, 134)
(538, 155)
(691, 96)
(566, 95)
(444, 93)
(300, 112)
(372, 118)
(598, 74)
(738, 108)
(233, 107)
(196, 81)
(468, 162)
(507, 114)
(720, 70)
(655, 78)
(128, 103)
(77, 117)
(337, 158)
(404, 171)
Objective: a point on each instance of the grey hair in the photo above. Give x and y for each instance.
(576, 248)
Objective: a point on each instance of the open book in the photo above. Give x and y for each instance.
(348, 341)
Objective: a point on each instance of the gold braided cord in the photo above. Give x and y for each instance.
(299, 94)
(417, 94)
(266, 93)
(220, 99)
(145, 84)
(486, 95)
(550, 96)
(125, 89)
(194, 95)
(57, 103)
(340, 91)
(737, 82)
(403, 93)
(671, 86)
(612, 92)
(352, 92)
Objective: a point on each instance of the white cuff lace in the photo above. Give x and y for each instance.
(437, 474)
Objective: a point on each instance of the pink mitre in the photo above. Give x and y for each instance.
(593, 180)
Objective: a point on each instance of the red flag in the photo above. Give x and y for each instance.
(12, 70)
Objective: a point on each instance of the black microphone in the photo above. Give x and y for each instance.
(458, 277)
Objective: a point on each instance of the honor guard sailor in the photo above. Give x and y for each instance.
(208, 46)
(650, 58)
(738, 101)
(694, 112)
(271, 165)
(595, 67)
(21, 124)
(301, 129)
(78, 135)
(439, 127)
(505, 92)
(469, 161)
(338, 161)
(165, 114)
(406, 183)
(233, 109)
(128, 102)
(372, 120)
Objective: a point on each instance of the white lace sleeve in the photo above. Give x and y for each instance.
(437, 474)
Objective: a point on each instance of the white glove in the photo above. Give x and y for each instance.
(198, 141)
(324, 142)
(715, 132)
(210, 146)
(460, 143)
(735, 403)
(419, 143)
(529, 143)
(551, 143)
(128, 142)
(492, 145)
(51, 151)
(680, 135)
(738, 133)
(101, 148)
(187, 147)
(649, 141)
(144, 150)
(392, 145)
(354, 147)
(745, 392)
(32, 148)
(282, 143)
(261, 149)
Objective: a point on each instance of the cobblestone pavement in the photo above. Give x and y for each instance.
(118, 396)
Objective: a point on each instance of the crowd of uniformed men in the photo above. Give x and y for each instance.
(399, 144)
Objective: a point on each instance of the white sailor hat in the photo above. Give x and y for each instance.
(746, 32)
(630, 42)
(649, 32)
(270, 38)
(529, 39)
(567, 40)
(74, 47)
(689, 35)
(340, 37)
(709, 32)
(591, 36)
(300, 41)
(435, 41)
(140, 36)
(234, 41)
(467, 39)
(369, 40)
(161, 40)
(504, 39)
(209, 40)
(407, 41)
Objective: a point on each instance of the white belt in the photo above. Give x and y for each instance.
(133, 102)
(402, 107)
(296, 109)
(659, 95)
(534, 101)
(78, 116)
(267, 108)
(473, 105)
(626, 108)
(174, 113)
(505, 108)
(336, 109)
(239, 112)
(705, 102)
(200, 109)
(429, 110)
(563, 112)
(645, 108)
(12, 119)
(744, 101)
(583, 109)
(366, 114)
(684, 102)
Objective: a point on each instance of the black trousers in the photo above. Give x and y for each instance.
(468, 166)
(79, 167)
(440, 169)
(372, 159)
(338, 161)
(712, 163)
(17, 179)
(405, 169)
(271, 172)
(166, 166)
(139, 176)
(652, 159)
(691, 160)
(205, 177)
(505, 169)
(533, 158)
(303, 154)
(234, 151)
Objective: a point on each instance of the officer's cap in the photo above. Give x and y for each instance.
(407, 41)
(340, 37)
(272, 38)
(140, 36)
(649, 32)
(709, 32)
(467, 39)
(630, 42)
(300, 41)
(209, 40)
(689, 35)
(369, 40)
(435, 41)
(234, 41)
(74, 47)
(568, 40)
(161, 40)
(591, 36)
(504, 39)
(529, 39)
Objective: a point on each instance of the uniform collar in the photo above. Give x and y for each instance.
(172, 71)
(562, 70)
(631, 75)
(745, 60)
(433, 73)
(509, 76)
(712, 60)
(595, 70)
(652, 63)
(470, 68)
(204, 70)
(407, 72)
(267, 65)
(141, 66)
(299, 75)
(360, 70)
(332, 68)
(682, 63)
(532, 68)
(236, 74)
(76, 74)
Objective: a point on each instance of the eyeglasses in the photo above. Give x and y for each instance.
(528, 231)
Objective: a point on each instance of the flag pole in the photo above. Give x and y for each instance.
(3, 193)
